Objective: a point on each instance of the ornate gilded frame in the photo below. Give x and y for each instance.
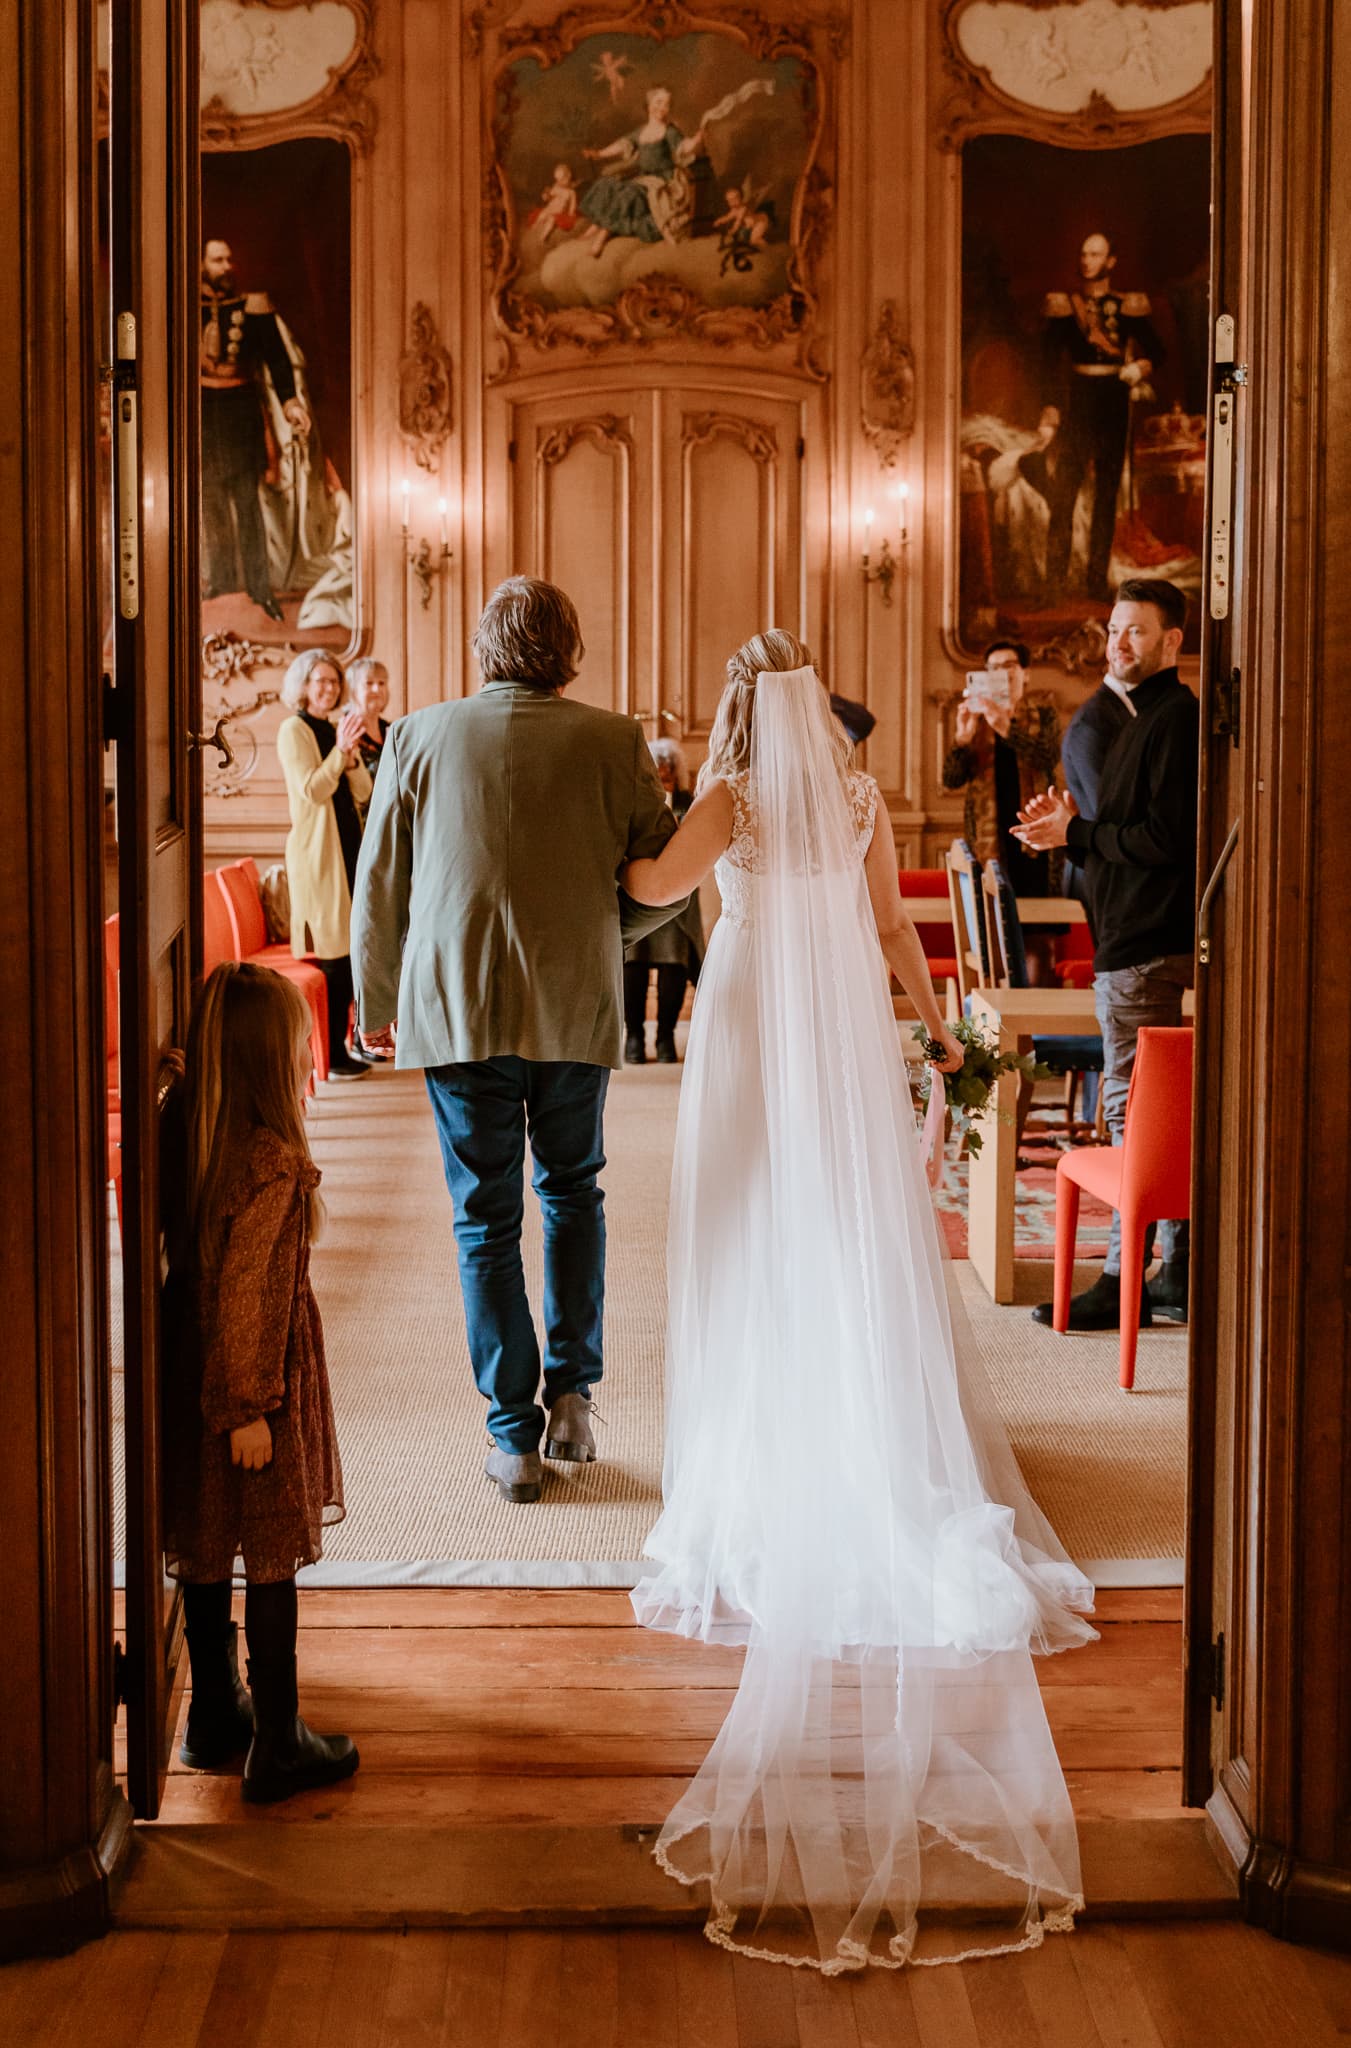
(970, 104)
(344, 110)
(659, 309)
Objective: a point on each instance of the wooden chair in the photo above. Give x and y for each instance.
(237, 885)
(966, 906)
(934, 931)
(1069, 1055)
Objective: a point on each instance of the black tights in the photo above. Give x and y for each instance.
(269, 1616)
(670, 995)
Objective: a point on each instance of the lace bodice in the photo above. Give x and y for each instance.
(741, 863)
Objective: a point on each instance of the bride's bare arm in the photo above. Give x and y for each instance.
(688, 856)
(901, 946)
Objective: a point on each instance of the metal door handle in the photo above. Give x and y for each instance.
(1209, 894)
(214, 739)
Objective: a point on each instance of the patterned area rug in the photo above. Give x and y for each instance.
(1034, 1226)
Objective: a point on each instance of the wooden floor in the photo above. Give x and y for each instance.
(516, 1706)
(1187, 1985)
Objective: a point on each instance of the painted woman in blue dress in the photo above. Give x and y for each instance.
(649, 194)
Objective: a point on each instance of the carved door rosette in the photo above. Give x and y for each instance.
(1085, 74)
(273, 69)
(888, 400)
(659, 306)
(425, 389)
(230, 665)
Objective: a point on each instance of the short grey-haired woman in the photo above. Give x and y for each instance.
(368, 690)
(327, 789)
(674, 951)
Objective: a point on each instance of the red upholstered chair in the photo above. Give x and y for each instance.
(218, 939)
(237, 887)
(1074, 957)
(1144, 1178)
(935, 933)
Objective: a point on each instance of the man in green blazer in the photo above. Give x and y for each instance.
(487, 921)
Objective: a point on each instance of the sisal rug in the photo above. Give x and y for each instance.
(1107, 1467)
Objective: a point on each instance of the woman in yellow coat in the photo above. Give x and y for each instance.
(327, 789)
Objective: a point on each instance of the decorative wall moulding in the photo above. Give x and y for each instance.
(888, 386)
(1091, 73)
(275, 68)
(425, 389)
(229, 663)
(606, 429)
(699, 428)
(656, 174)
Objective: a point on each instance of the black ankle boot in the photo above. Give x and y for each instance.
(1097, 1308)
(635, 1051)
(666, 1049)
(285, 1756)
(1168, 1291)
(220, 1714)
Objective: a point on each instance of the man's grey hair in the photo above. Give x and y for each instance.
(295, 684)
(529, 633)
(365, 665)
(667, 750)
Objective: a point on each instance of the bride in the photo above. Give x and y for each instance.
(839, 1495)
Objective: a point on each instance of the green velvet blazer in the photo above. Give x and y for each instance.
(486, 916)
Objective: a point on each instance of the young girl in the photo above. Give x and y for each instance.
(251, 1461)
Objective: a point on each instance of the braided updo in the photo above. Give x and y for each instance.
(729, 742)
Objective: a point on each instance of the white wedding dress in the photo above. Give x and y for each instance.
(839, 1494)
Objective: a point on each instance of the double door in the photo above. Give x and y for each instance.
(673, 517)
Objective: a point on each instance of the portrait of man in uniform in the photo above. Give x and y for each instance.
(274, 363)
(1083, 326)
(241, 345)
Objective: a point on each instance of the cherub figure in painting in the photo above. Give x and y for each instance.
(557, 212)
(612, 71)
(744, 227)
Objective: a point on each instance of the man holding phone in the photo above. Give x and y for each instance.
(1006, 747)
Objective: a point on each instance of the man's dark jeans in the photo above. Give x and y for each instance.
(484, 1110)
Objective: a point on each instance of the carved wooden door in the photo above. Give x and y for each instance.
(673, 518)
(153, 95)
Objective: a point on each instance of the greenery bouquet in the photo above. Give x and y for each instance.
(970, 1091)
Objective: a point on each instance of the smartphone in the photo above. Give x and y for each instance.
(983, 687)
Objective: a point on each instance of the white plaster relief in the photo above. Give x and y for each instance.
(1056, 59)
(258, 60)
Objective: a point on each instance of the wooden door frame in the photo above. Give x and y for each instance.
(63, 1822)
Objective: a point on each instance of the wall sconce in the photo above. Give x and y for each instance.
(883, 570)
(424, 565)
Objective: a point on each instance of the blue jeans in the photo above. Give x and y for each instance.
(484, 1111)
(1125, 998)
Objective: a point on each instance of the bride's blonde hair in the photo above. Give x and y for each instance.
(729, 742)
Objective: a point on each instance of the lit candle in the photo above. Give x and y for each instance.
(441, 507)
(903, 493)
(404, 489)
(867, 530)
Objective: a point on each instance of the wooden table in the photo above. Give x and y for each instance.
(1034, 910)
(1013, 1016)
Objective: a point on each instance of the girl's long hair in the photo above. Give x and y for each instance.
(247, 1051)
(729, 742)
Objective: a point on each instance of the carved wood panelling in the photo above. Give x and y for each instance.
(425, 389)
(575, 526)
(888, 386)
(277, 68)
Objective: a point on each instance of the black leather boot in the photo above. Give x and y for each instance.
(1097, 1308)
(1168, 1291)
(635, 1051)
(285, 1756)
(220, 1715)
(667, 1055)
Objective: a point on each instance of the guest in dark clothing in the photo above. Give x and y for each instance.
(675, 951)
(1083, 750)
(368, 690)
(1139, 857)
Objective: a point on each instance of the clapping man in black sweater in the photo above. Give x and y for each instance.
(1139, 860)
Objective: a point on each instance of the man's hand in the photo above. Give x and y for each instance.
(251, 1446)
(968, 718)
(1136, 372)
(295, 412)
(1045, 820)
(381, 1041)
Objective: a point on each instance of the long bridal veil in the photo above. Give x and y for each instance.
(839, 1495)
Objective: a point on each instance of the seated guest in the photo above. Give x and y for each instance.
(675, 950)
(1084, 749)
(1006, 747)
(1139, 857)
(327, 787)
(368, 689)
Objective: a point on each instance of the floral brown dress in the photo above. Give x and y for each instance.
(243, 1340)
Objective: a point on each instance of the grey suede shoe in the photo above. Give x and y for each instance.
(517, 1475)
(570, 1435)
